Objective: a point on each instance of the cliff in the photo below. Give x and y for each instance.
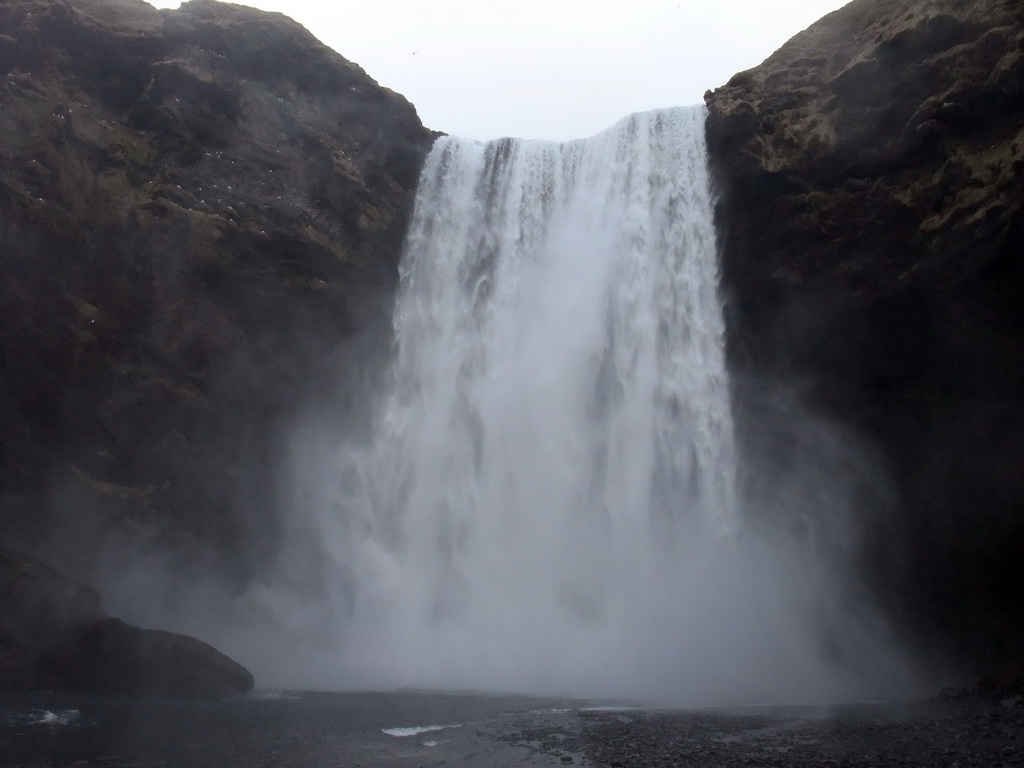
(871, 206)
(201, 210)
(197, 209)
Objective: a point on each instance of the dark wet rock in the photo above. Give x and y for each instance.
(39, 605)
(871, 182)
(111, 657)
(201, 210)
(1005, 683)
(17, 666)
(53, 635)
(38, 609)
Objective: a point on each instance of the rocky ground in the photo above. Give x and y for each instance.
(345, 730)
(961, 734)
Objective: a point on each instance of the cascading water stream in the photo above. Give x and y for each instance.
(559, 434)
(561, 337)
(548, 500)
(542, 497)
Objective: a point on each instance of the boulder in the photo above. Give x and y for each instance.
(38, 606)
(111, 657)
(17, 666)
(54, 636)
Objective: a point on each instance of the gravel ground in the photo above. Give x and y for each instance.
(957, 734)
(358, 730)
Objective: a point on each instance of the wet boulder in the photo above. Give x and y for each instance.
(110, 656)
(53, 635)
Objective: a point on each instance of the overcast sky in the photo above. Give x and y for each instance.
(548, 69)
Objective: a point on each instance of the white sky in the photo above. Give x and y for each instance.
(548, 69)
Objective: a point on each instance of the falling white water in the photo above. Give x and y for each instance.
(560, 346)
(548, 500)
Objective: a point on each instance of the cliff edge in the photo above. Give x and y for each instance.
(198, 208)
(871, 206)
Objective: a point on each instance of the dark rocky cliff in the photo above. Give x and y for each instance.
(197, 209)
(871, 182)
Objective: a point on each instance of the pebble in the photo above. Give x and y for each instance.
(962, 732)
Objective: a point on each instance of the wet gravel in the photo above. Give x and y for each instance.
(960, 734)
(324, 730)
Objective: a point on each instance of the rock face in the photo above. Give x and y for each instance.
(53, 635)
(40, 610)
(201, 216)
(197, 209)
(871, 181)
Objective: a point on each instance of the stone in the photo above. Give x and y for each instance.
(40, 607)
(111, 657)
(17, 666)
(53, 635)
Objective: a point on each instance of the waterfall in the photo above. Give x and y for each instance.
(547, 501)
(560, 340)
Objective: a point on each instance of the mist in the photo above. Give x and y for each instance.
(550, 484)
